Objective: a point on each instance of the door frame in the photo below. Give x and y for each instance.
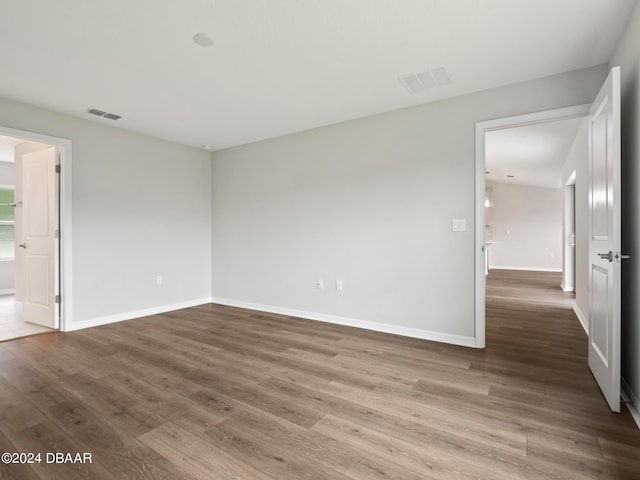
(64, 214)
(481, 129)
(569, 235)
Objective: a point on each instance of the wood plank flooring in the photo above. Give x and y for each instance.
(216, 392)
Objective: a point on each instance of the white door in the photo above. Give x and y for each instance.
(604, 239)
(39, 224)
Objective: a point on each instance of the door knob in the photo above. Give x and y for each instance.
(23, 245)
(607, 256)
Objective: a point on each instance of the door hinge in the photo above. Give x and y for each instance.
(57, 168)
(57, 234)
(58, 299)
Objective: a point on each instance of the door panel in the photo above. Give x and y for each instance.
(38, 274)
(600, 178)
(39, 242)
(600, 291)
(38, 224)
(604, 239)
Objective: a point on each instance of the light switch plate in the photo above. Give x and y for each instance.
(458, 225)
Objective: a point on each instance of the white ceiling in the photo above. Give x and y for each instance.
(281, 66)
(533, 154)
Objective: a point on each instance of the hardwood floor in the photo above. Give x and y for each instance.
(217, 392)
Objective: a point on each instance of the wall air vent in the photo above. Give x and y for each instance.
(102, 113)
(423, 81)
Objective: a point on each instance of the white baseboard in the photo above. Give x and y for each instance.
(7, 291)
(121, 317)
(530, 269)
(633, 404)
(352, 322)
(582, 318)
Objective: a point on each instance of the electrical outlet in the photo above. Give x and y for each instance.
(158, 279)
(319, 284)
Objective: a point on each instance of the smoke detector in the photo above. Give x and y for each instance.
(203, 40)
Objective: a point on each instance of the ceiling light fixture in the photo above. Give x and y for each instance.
(203, 39)
(207, 146)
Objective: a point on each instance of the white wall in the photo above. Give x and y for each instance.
(369, 202)
(578, 161)
(526, 223)
(6, 153)
(627, 55)
(7, 175)
(141, 207)
(7, 276)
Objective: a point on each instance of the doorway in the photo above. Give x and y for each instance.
(33, 250)
(488, 234)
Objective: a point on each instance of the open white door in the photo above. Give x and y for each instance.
(39, 224)
(604, 239)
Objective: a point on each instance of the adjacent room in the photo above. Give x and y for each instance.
(536, 215)
(337, 239)
(29, 220)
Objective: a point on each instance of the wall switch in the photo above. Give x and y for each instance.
(158, 279)
(458, 225)
(339, 285)
(319, 284)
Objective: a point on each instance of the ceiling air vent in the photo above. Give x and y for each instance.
(442, 76)
(423, 81)
(102, 113)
